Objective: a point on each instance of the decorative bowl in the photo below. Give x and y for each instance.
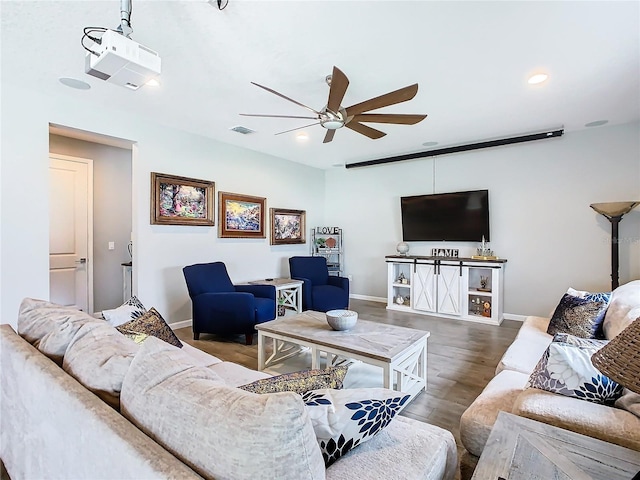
(342, 319)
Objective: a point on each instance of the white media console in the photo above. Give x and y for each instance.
(449, 287)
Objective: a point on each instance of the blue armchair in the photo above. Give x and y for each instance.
(218, 306)
(320, 291)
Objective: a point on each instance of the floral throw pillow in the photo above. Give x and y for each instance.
(343, 419)
(300, 382)
(577, 316)
(566, 368)
(149, 324)
(129, 310)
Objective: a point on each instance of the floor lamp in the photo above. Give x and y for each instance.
(614, 211)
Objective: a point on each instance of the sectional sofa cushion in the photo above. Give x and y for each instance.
(50, 327)
(98, 357)
(195, 415)
(624, 308)
(577, 316)
(343, 419)
(610, 424)
(300, 382)
(530, 343)
(404, 450)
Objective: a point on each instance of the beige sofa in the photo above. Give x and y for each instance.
(507, 392)
(123, 411)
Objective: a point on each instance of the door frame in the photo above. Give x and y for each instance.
(89, 163)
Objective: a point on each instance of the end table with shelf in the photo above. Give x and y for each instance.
(288, 292)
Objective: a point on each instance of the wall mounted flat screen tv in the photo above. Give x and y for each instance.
(457, 216)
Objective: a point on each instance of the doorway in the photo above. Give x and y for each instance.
(71, 232)
(111, 207)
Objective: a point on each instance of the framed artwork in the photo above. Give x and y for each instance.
(181, 201)
(240, 216)
(287, 226)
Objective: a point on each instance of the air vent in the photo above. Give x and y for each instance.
(242, 130)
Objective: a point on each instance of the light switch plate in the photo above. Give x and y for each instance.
(112, 245)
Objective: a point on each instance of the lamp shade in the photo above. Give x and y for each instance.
(614, 209)
(620, 358)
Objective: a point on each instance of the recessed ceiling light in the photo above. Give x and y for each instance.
(430, 144)
(154, 82)
(74, 83)
(597, 123)
(302, 136)
(537, 78)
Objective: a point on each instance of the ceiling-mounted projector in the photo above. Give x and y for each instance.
(120, 60)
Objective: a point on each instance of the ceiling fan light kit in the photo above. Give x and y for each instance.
(334, 116)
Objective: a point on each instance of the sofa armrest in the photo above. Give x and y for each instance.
(53, 427)
(610, 424)
(340, 282)
(260, 291)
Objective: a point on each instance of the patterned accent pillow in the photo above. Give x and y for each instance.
(595, 297)
(578, 316)
(129, 310)
(566, 368)
(343, 419)
(299, 382)
(151, 323)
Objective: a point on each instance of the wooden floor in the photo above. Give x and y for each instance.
(462, 357)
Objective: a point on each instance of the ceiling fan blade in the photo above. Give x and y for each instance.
(285, 97)
(364, 130)
(391, 98)
(297, 128)
(329, 136)
(275, 116)
(339, 84)
(399, 118)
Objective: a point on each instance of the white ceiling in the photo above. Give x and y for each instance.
(470, 59)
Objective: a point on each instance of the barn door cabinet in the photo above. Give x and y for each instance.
(459, 288)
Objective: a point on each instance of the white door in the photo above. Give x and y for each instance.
(70, 232)
(449, 289)
(424, 288)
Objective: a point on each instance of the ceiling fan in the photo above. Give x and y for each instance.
(334, 116)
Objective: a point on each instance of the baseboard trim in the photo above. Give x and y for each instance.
(368, 297)
(513, 316)
(182, 324)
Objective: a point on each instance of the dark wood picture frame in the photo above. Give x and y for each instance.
(288, 226)
(181, 201)
(241, 216)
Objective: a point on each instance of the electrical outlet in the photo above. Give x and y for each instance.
(112, 245)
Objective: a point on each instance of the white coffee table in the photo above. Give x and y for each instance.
(401, 352)
(287, 289)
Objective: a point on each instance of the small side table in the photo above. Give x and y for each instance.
(287, 289)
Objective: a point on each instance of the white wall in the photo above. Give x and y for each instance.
(160, 252)
(539, 195)
(111, 213)
(539, 192)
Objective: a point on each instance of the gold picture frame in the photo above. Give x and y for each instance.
(241, 216)
(181, 201)
(288, 226)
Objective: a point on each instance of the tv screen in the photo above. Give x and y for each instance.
(457, 216)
